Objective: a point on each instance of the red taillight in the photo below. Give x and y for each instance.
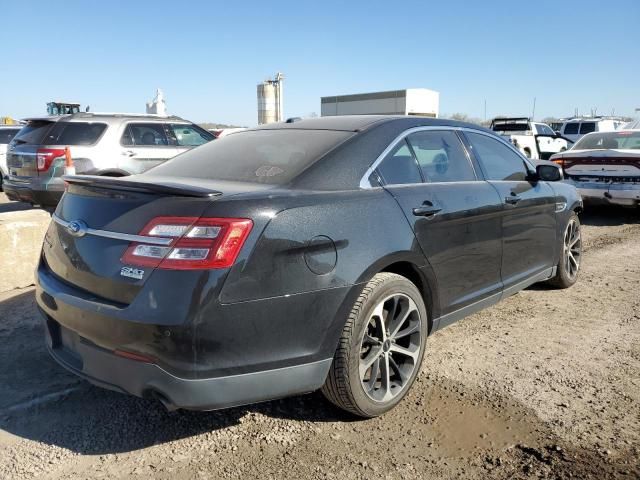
(46, 156)
(559, 161)
(198, 243)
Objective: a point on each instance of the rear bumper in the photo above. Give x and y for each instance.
(625, 194)
(147, 380)
(23, 192)
(227, 355)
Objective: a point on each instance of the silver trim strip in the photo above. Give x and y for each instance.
(126, 237)
(364, 181)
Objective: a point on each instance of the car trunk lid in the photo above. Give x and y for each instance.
(99, 217)
(606, 164)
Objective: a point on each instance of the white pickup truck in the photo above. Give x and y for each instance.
(535, 140)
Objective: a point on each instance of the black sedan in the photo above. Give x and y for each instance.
(317, 254)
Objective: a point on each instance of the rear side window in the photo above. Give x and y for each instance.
(587, 127)
(399, 167)
(498, 160)
(441, 156)
(7, 134)
(33, 132)
(259, 156)
(571, 128)
(74, 133)
(189, 135)
(145, 135)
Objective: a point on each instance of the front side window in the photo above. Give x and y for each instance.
(587, 127)
(189, 135)
(145, 135)
(399, 167)
(497, 159)
(441, 156)
(571, 128)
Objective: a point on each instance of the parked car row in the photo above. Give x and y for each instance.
(112, 145)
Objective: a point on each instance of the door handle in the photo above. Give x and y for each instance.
(426, 210)
(129, 153)
(512, 199)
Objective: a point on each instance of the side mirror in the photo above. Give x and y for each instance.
(549, 172)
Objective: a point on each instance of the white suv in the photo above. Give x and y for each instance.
(576, 128)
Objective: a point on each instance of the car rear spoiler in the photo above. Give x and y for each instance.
(122, 183)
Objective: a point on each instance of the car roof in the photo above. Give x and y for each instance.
(106, 117)
(356, 123)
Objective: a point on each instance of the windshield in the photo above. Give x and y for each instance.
(258, 156)
(609, 140)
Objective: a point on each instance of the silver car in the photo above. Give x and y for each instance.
(100, 144)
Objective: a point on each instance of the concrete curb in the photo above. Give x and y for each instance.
(21, 235)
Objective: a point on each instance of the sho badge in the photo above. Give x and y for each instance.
(132, 272)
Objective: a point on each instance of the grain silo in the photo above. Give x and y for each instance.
(270, 100)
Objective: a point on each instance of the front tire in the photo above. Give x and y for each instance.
(381, 348)
(571, 256)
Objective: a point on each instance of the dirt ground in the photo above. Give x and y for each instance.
(544, 385)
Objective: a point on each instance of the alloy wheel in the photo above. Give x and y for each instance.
(572, 249)
(390, 348)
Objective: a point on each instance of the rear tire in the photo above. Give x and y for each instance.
(381, 348)
(569, 264)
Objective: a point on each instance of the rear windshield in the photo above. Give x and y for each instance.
(260, 156)
(511, 127)
(74, 133)
(609, 140)
(39, 132)
(33, 132)
(7, 134)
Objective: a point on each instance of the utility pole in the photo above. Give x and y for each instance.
(533, 114)
(485, 110)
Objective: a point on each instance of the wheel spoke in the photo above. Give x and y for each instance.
(397, 323)
(375, 371)
(412, 328)
(369, 340)
(385, 379)
(366, 362)
(396, 370)
(412, 351)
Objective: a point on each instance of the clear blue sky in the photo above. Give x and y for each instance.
(208, 56)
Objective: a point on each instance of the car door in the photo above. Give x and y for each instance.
(528, 219)
(455, 214)
(145, 145)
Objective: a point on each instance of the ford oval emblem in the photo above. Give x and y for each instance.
(77, 228)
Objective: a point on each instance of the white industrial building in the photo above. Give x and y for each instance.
(411, 101)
